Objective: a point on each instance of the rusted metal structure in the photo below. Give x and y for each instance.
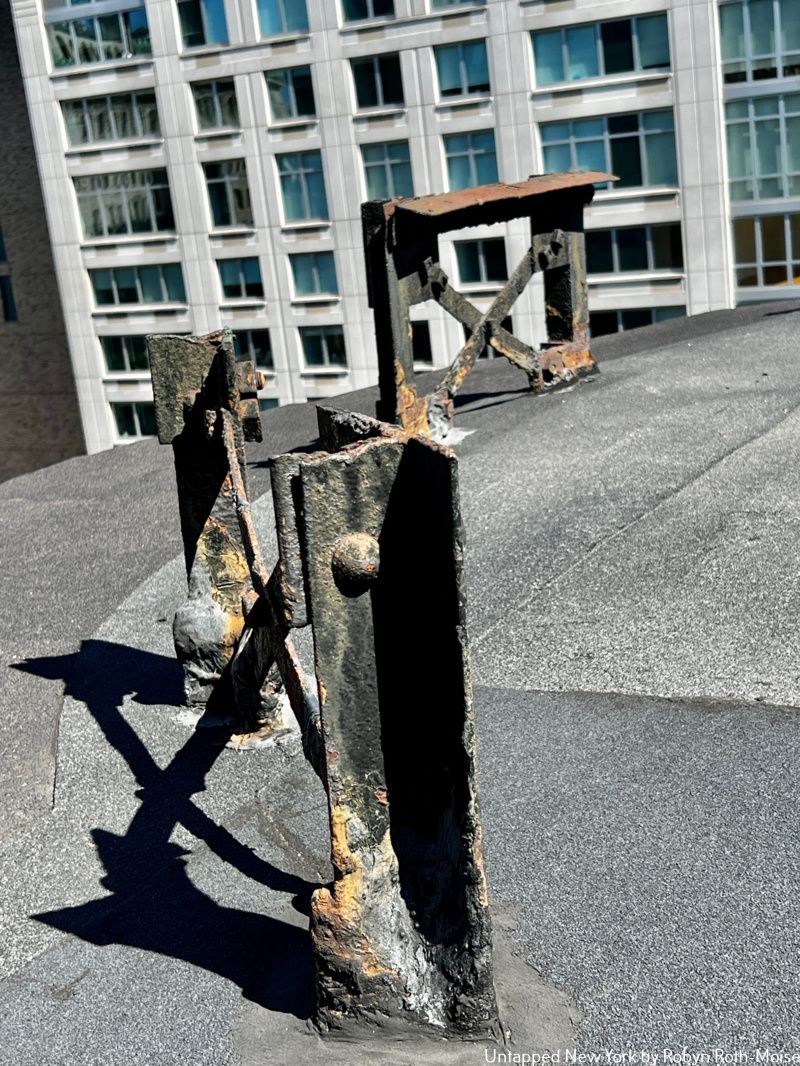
(402, 933)
(403, 269)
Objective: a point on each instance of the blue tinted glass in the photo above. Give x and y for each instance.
(448, 68)
(591, 155)
(658, 120)
(555, 131)
(582, 53)
(653, 37)
(303, 273)
(731, 21)
(588, 127)
(557, 158)
(662, 164)
(326, 269)
(216, 26)
(548, 57)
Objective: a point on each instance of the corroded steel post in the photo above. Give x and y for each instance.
(403, 932)
(403, 269)
(195, 379)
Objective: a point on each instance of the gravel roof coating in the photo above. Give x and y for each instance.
(633, 598)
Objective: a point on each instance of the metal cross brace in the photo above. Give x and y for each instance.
(403, 269)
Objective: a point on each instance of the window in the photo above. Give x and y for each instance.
(202, 22)
(134, 420)
(760, 39)
(240, 277)
(125, 353)
(101, 39)
(255, 344)
(618, 47)
(764, 147)
(471, 159)
(454, 3)
(482, 261)
(314, 274)
(302, 186)
(111, 118)
(7, 299)
(267, 403)
(137, 201)
(367, 9)
(639, 148)
(291, 94)
(463, 69)
(639, 248)
(139, 285)
(323, 346)
(378, 81)
(215, 103)
(387, 169)
(282, 16)
(229, 193)
(421, 343)
(767, 250)
(604, 322)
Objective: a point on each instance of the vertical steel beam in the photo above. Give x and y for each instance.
(403, 932)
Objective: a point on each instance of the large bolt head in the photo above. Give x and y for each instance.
(355, 562)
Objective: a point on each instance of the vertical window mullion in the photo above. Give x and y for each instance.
(643, 163)
(784, 146)
(637, 64)
(114, 287)
(614, 251)
(648, 236)
(598, 44)
(759, 252)
(787, 244)
(564, 54)
(776, 22)
(748, 51)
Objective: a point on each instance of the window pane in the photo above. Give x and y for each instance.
(618, 124)
(762, 27)
(625, 161)
(204, 103)
(448, 68)
(773, 238)
(61, 47)
(599, 255)
(138, 32)
(312, 347)
(125, 278)
(477, 65)
(662, 314)
(148, 114)
(556, 131)
(216, 26)
(334, 337)
(229, 276)
(365, 82)
(653, 36)
(731, 21)
(103, 286)
(228, 108)
(137, 353)
(218, 198)
(591, 155)
(794, 224)
(662, 163)
(147, 419)
(667, 247)
(124, 418)
(326, 269)
(740, 159)
(303, 91)
(150, 281)
(76, 127)
(790, 25)
(768, 147)
(775, 275)
(173, 281)
(617, 43)
(632, 248)
(469, 262)
(251, 270)
(304, 275)
(602, 323)
(391, 80)
(547, 54)
(744, 239)
(421, 342)
(113, 353)
(494, 252)
(191, 23)
(261, 348)
(86, 40)
(557, 158)
(636, 318)
(582, 53)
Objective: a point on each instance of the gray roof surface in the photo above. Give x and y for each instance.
(633, 580)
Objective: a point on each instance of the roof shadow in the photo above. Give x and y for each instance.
(154, 906)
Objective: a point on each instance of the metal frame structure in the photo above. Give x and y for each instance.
(403, 269)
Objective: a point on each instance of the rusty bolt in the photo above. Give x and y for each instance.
(355, 563)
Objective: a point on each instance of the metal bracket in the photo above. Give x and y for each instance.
(403, 269)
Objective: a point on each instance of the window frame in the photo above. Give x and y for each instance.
(370, 4)
(751, 122)
(296, 115)
(323, 332)
(651, 268)
(281, 8)
(748, 57)
(228, 181)
(116, 302)
(124, 193)
(205, 22)
(637, 67)
(126, 38)
(242, 294)
(134, 96)
(300, 173)
(463, 69)
(135, 406)
(471, 154)
(248, 350)
(375, 61)
(641, 134)
(318, 291)
(480, 243)
(791, 260)
(387, 166)
(214, 83)
(124, 340)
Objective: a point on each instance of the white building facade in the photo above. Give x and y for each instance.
(204, 161)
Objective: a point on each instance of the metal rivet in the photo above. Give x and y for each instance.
(355, 562)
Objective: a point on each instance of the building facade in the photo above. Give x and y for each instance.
(204, 162)
(39, 419)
